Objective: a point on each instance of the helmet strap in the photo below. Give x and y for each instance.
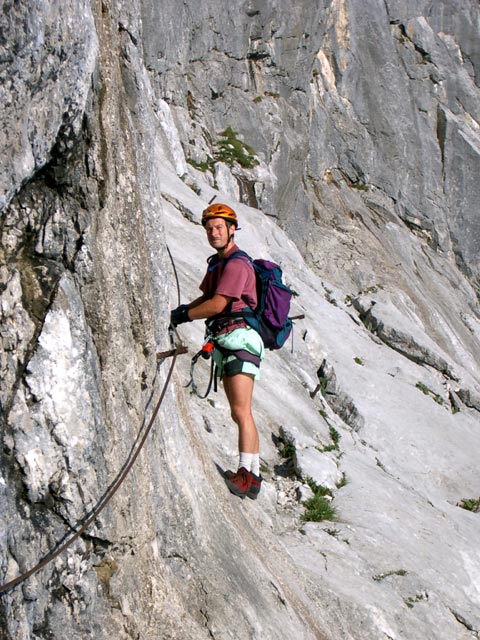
(231, 239)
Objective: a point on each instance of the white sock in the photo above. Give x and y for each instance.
(255, 468)
(245, 460)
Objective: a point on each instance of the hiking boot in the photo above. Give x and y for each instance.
(239, 483)
(243, 483)
(255, 486)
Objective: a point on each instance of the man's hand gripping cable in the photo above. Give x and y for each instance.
(177, 346)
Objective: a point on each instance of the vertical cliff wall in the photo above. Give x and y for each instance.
(346, 135)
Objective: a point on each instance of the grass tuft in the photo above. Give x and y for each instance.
(470, 504)
(319, 507)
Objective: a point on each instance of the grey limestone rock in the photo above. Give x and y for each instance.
(48, 55)
(346, 135)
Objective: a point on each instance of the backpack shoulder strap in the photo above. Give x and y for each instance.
(214, 261)
(243, 255)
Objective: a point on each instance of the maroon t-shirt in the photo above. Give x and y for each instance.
(233, 278)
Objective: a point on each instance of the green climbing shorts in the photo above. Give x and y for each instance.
(246, 339)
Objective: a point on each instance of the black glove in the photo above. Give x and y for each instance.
(179, 315)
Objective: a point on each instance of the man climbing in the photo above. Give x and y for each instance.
(228, 287)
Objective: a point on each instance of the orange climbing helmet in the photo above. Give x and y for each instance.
(219, 211)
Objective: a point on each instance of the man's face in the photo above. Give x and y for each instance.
(218, 233)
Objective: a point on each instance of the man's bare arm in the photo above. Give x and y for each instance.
(201, 308)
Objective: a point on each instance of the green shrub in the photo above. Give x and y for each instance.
(231, 150)
(319, 507)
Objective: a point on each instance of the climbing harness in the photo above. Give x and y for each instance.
(174, 352)
(206, 352)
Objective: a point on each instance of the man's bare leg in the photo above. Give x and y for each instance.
(239, 391)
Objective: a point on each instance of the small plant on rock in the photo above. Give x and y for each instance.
(343, 482)
(319, 507)
(287, 450)
(428, 392)
(418, 597)
(423, 388)
(231, 149)
(470, 504)
(395, 572)
(335, 437)
(202, 166)
(264, 468)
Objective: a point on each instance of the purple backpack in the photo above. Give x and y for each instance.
(270, 318)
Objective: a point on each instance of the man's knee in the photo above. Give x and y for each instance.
(240, 414)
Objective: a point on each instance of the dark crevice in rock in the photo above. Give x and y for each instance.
(123, 28)
(173, 555)
(204, 610)
(401, 342)
(469, 398)
(454, 401)
(381, 466)
(99, 545)
(425, 55)
(441, 137)
(247, 191)
(258, 55)
(286, 452)
(463, 621)
(340, 402)
(186, 213)
(278, 593)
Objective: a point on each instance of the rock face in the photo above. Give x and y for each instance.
(340, 101)
(346, 135)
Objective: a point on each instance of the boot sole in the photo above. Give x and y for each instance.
(235, 490)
